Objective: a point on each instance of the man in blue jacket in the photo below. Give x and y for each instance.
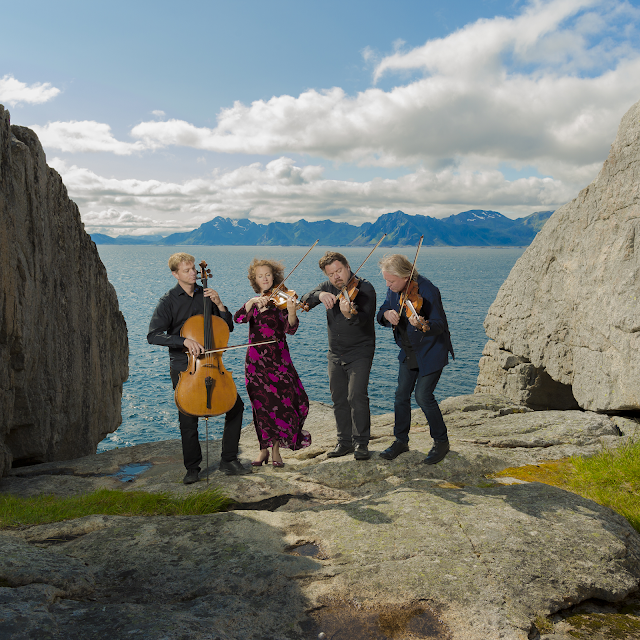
(424, 352)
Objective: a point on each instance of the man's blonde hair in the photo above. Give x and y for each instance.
(397, 265)
(178, 258)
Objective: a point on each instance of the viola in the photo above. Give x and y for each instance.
(280, 295)
(206, 388)
(411, 302)
(349, 293)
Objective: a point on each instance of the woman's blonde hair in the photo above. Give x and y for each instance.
(277, 271)
(178, 258)
(397, 265)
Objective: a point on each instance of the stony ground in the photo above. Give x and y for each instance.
(345, 548)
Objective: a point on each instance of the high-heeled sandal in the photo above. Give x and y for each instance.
(259, 463)
(277, 464)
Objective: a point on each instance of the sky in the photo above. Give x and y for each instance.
(160, 116)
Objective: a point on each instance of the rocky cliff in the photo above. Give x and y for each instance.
(336, 547)
(63, 340)
(565, 327)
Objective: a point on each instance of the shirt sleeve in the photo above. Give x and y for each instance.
(432, 310)
(312, 298)
(160, 325)
(225, 315)
(289, 328)
(386, 306)
(242, 315)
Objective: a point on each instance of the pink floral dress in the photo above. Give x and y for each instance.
(278, 399)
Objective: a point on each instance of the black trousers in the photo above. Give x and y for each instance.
(349, 384)
(191, 451)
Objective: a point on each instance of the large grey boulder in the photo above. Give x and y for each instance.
(565, 326)
(63, 340)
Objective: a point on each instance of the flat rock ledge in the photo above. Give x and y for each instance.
(369, 549)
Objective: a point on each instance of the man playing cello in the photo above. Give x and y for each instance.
(175, 307)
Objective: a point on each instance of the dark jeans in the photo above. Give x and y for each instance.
(191, 451)
(349, 383)
(408, 380)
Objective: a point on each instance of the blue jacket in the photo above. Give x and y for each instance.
(433, 347)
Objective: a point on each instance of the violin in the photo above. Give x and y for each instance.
(206, 388)
(349, 293)
(411, 302)
(280, 295)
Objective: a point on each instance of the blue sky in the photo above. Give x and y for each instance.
(160, 116)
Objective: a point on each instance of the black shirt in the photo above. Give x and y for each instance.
(173, 310)
(349, 338)
(401, 328)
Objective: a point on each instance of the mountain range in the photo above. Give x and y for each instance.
(469, 228)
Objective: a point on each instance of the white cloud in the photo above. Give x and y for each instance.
(281, 190)
(114, 222)
(85, 135)
(158, 113)
(548, 85)
(13, 92)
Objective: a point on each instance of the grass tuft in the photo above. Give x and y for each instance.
(16, 511)
(610, 478)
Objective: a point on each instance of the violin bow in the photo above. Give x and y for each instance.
(294, 268)
(372, 250)
(413, 268)
(238, 346)
(343, 291)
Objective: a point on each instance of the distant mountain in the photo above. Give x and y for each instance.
(469, 228)
(101, 238)
(536, 219)
(224, 231)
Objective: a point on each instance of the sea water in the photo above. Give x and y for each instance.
(468, 279)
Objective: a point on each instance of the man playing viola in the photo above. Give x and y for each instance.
(423, 355)
(175, 307)
(352, 343)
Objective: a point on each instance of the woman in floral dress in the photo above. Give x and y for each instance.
(278, 399)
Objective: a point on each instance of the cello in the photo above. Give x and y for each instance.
(206, 388)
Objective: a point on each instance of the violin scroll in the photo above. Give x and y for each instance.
(204, 273)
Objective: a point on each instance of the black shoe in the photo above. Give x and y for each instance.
(341, 450)
(437, 453)
(191, 477)
(395, 450)
(233, 468)
(361, 452)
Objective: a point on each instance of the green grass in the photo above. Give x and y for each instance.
(610, 478)
(15, 511)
